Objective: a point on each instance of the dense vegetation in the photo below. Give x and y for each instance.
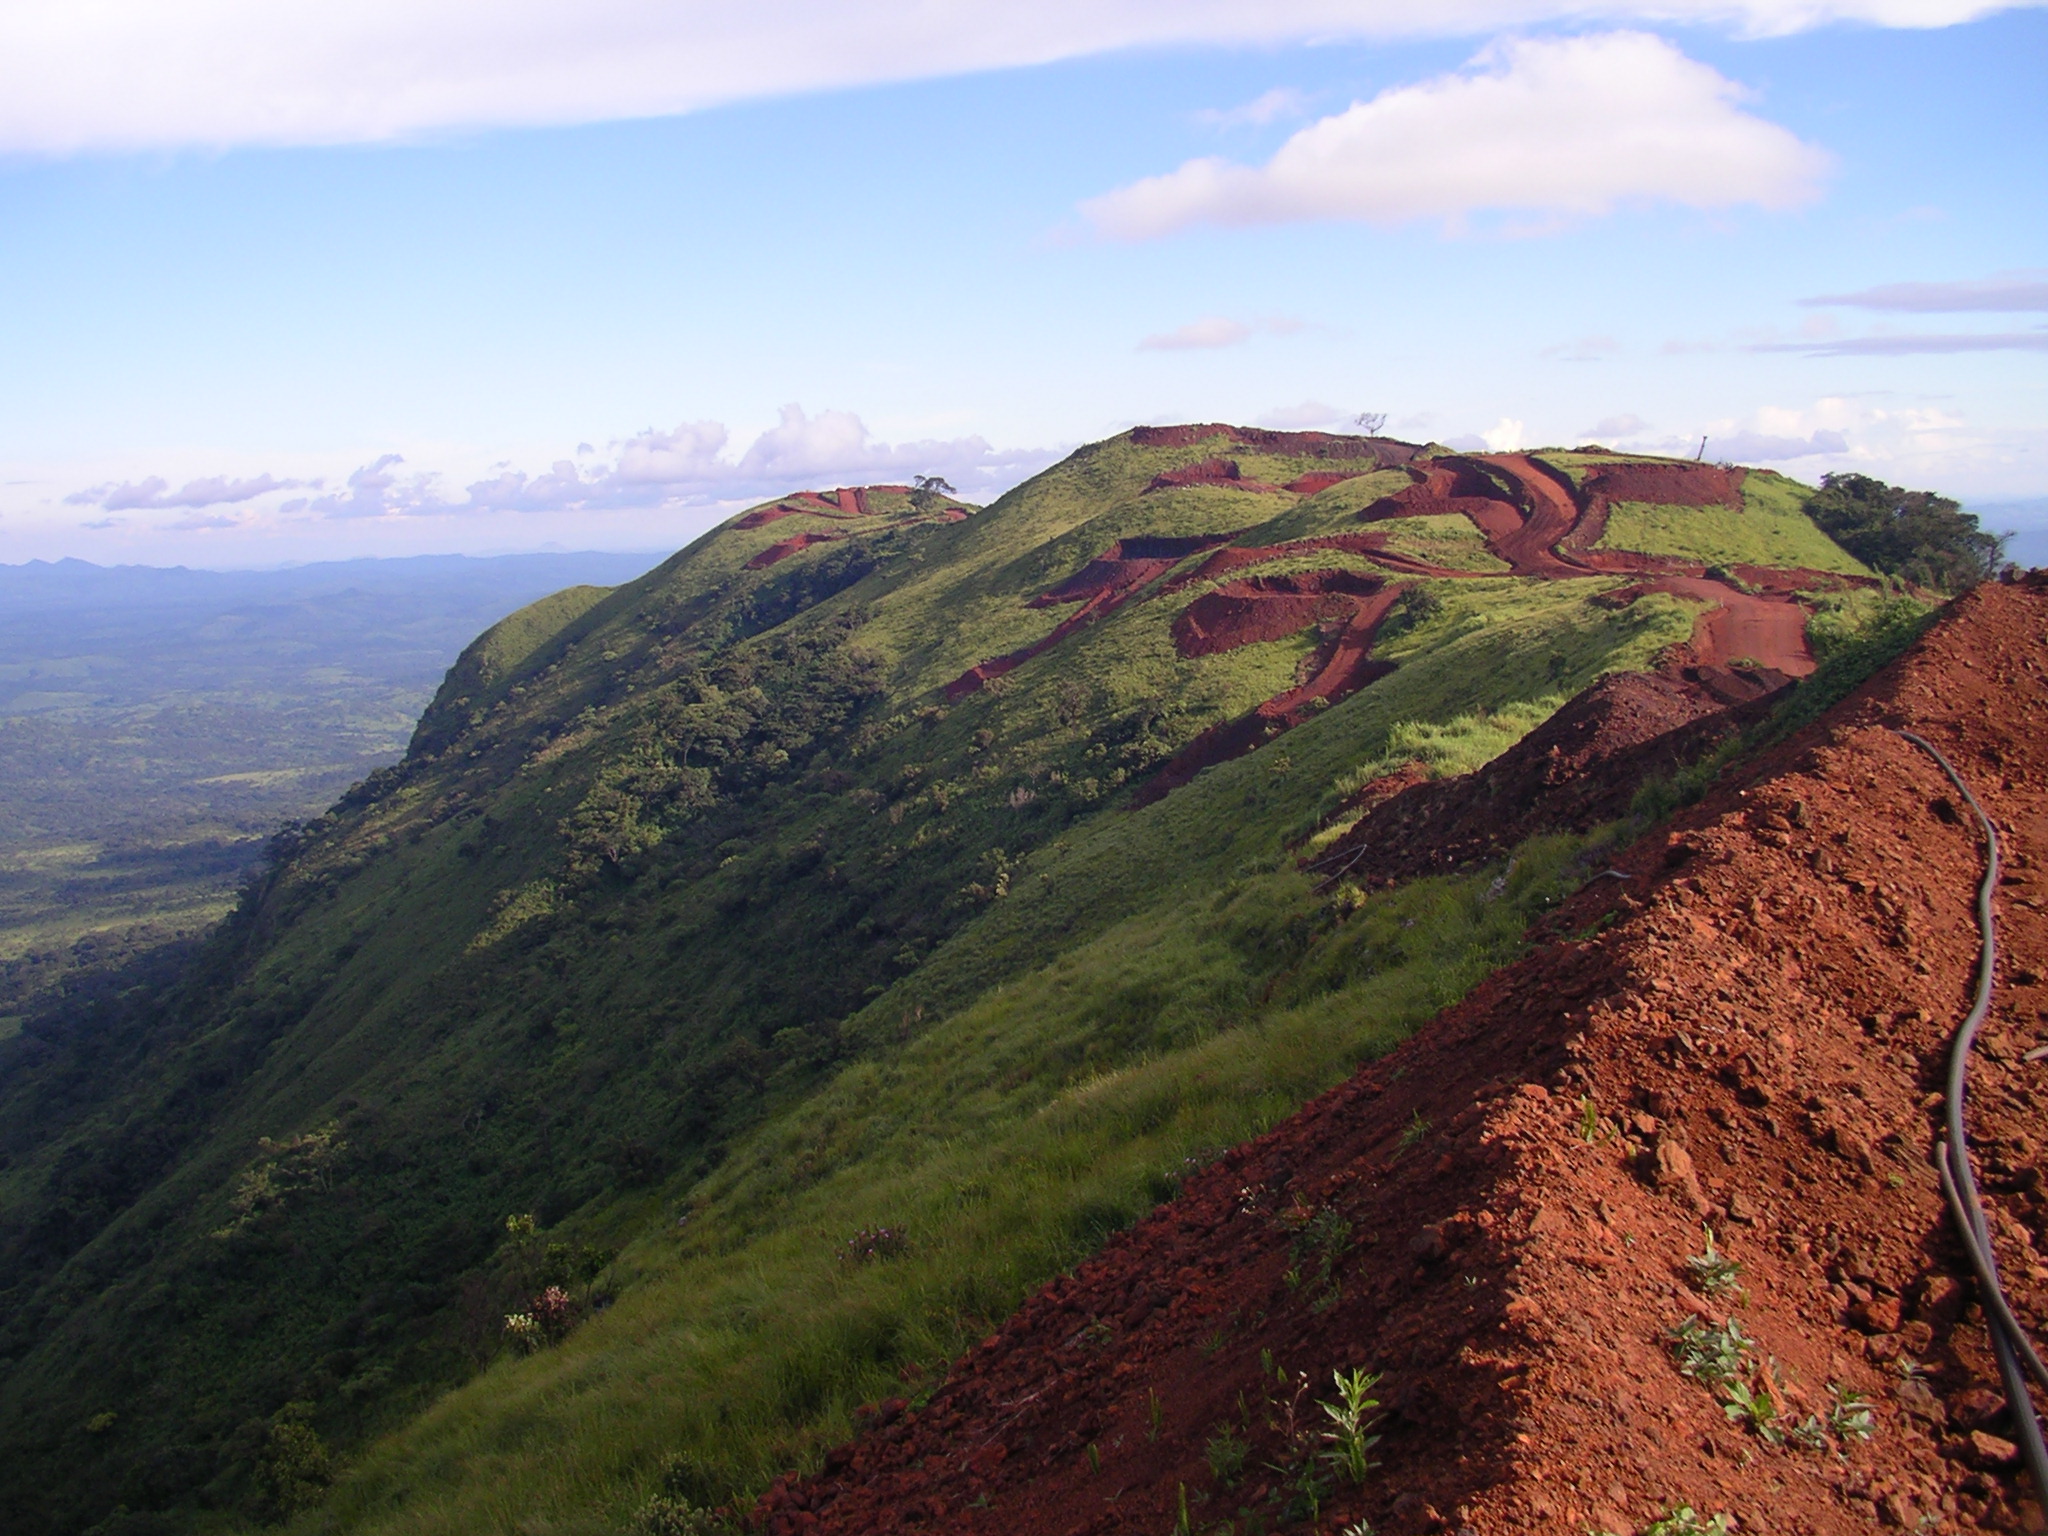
(748, 1023)
(1918, 536)
(157, 725)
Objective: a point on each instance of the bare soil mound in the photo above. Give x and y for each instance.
(1581, 767)
(1267, 608)
(775, 554)
(1748, 1031)
(1223, 472)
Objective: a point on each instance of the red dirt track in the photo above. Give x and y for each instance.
(1531, 517)
(1746, 1029)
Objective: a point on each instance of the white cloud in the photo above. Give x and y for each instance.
(132, 74)
(1912, 345)
(154, 493)
(1505, 435)
(686, 466)
(1552, 127)
(2005, 292)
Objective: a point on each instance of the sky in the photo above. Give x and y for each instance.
(282, 281)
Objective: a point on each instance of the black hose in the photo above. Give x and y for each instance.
(2009, 1342)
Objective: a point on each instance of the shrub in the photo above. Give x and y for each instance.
(1927, 539)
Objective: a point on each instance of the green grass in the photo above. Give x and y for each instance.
(1007, 1141)
(1770, 529)
(698, 896)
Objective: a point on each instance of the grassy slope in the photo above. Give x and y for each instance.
(1771, 529)
(800, 1011)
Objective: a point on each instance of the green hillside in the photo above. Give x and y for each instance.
(718, 924)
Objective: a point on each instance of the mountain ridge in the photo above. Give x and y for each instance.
(676, 884)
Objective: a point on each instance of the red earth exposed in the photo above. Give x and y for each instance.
(1749, 640)
(1745, 1029)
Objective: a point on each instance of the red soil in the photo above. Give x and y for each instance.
(1102, 585)
(1757, 1020)
(1224, 472)
(1320, 480)
(1267, 608)
(1580, 768)
(853, 501)
(1531, 518)
(774, 554)
(1343, 665)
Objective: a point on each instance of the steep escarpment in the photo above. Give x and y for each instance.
(1648, 1222)
(876, 865)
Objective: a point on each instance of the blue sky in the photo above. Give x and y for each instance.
(274, 318)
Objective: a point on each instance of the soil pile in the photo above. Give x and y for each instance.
(1504, 1218)
(1581, 767)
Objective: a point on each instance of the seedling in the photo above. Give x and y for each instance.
(1349, 1440)
(1591, 1126)
(1850, 1417)
(1709, 1355)
(1684, 1520)
(1182, 1525)
(1155, 1415)
(1226, 1455)
(1094, 1457)
(1713, 1271)
(1414, 1131)
(1755, 1411)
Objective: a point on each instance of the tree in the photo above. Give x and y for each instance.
(1926, 539)
(928, 491)
(1370, 422)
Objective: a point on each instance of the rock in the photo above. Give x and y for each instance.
(1917, 1337)
(1975, 1407)
(1990, 1452)
(1668, 1167)
(1851, 1146)
(1940, 1298)
(1427, 1245)
(1918, 1400)
(1880, 1314)
(1741, 1208)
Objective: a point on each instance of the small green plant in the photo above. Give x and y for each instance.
(1414, 1131)
(1094, 1457)
(1756, 1411)
(1713, 1271)
(1348, 1442)
(1709, 1355)
(1155, 1415)
(665, 1516)
(1684, 1520)
(1182, 1525)
(1850, 1417)
(1591, 1127)
(1226, 1454)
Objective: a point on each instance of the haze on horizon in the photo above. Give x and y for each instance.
(291, 284)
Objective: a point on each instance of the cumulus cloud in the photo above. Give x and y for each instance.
(154, 493)
(1913, 346)
(1557, 128)
(130, 74)
(684, 466)
(2005, 292)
